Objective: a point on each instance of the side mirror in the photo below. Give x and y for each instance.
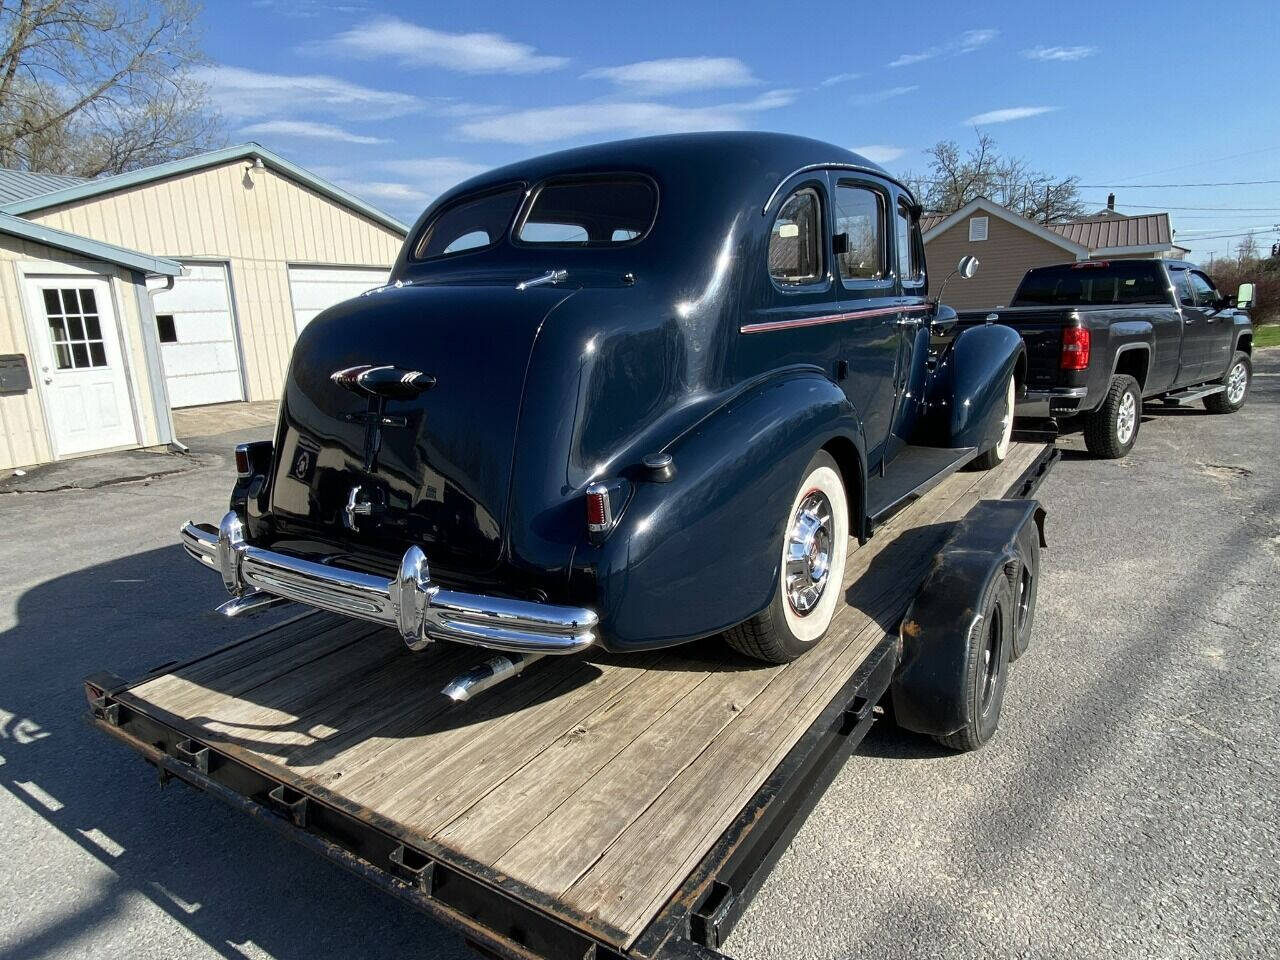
(943, 319)
(1244, 296)
(967, 267)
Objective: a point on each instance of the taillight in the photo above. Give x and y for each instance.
(599, 510)
(242, 460)
(1075, 348)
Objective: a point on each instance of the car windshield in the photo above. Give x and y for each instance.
(1093, 282)
(597, 212)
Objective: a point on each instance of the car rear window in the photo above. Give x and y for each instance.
(471, 223)
(1093, 283)
(595, 212)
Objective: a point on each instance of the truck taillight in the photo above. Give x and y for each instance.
(1075, 348)
(599, 510)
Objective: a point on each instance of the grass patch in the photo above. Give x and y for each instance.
(1267, 335)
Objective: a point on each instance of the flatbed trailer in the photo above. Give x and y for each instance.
(595, 807)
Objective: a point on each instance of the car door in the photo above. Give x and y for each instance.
(1195, 328)
(1218, 328)
(870, 337)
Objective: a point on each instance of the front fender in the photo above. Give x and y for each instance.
(966, 391)
(699, 554)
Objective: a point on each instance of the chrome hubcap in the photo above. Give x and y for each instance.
(1126, 418)
(808, 557)
(1237, 381)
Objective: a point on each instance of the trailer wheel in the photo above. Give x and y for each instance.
(995, 456)
(987, 668)
(1111, 431)
(1024, 599)
(1237, 382)
(815, 544)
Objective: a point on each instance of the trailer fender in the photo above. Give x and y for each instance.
(996, 539)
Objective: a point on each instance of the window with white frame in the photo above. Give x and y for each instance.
(977, 229)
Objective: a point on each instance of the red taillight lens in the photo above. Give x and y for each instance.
(242, 460)
(1075, 348)
(599, 514)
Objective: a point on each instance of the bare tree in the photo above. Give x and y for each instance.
(954, 178)
(92, 87)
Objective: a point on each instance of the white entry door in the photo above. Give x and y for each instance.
(198, 337)
(86, 393)
(317, 288)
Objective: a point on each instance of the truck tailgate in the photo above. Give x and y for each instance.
(1041, 330)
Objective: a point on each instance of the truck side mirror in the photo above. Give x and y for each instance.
(967, 267)
(1244, 296)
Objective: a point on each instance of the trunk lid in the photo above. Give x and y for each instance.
(368, 471)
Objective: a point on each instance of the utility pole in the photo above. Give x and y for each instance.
(1047, 192)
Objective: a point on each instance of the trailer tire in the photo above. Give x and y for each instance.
(782, 631)
(1024, 599)
(1111, 431)
(1237, 382)
(987, 668)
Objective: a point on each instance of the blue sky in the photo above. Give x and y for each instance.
(398, 101)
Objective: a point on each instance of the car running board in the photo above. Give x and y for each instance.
(910, 475)
(1186, 397)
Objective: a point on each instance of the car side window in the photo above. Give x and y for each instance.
(860, 220)
(1206, 295)
(1182, 286)
(795, 242)
(909, 262)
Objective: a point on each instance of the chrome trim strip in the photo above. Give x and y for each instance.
(857, 167)
(421, 611)
(770, 325)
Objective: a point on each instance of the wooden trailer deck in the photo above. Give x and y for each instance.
(589, 786)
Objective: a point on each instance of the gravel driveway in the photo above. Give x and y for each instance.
(1128, 806)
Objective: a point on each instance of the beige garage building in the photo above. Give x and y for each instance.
(260, 247)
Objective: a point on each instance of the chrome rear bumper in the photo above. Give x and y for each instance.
(421, 610)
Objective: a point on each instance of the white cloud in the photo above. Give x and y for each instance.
(399, 195)
(432, 176)
(967, 42)
(839, 78)
(879, 152)
(879, 96)
(411, 45)
(676, 75)
(1006, 114)
(307, 129)
(1063, 54)
(543, 124)
(252, 94)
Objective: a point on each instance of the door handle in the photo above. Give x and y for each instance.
(48, 379)
(909, 321)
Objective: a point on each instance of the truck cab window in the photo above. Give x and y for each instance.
(1206, 295)
(795, 254)
(1182, 286)
(860, 218)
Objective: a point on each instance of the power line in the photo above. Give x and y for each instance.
(1165, 206)
(1157, 186)
(1226, 236)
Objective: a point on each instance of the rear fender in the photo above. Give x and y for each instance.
(966, 391)
(700, 553)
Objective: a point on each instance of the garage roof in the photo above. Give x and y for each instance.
(21, 184)
(94, 249)
(174, 168)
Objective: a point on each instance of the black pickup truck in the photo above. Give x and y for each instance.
(1102, 336)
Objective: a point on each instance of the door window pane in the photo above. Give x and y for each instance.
(908, 262)
(75, 329)
(860, 218)
(1183, 286)
(1206, 296)
(795, 254)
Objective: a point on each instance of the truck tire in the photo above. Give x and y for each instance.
(995, 456)
(1237, 382)
(987, 669)
(810, 587)
(1111, 431)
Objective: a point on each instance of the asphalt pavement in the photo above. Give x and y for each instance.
(1128, 806)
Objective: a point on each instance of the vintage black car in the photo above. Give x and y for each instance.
(630, 395)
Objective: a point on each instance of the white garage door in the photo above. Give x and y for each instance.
(316, 288)
(198, 337)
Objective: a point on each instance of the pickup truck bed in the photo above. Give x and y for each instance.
(599, 806)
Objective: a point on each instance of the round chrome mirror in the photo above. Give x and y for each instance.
(967, 267)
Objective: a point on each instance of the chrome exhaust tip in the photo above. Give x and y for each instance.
(488, 674)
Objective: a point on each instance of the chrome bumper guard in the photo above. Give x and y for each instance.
(421, 610)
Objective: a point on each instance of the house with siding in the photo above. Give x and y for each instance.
(201, 272)
(1007, 245)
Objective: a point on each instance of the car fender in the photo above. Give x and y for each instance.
(700, 553)
(966, 391)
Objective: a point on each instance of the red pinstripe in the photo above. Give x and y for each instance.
(771, 325)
